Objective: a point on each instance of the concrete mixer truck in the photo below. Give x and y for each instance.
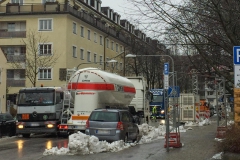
(90, 89)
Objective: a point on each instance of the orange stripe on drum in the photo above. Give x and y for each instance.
(80, 117)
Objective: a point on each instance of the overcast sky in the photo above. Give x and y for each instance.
(117, 6)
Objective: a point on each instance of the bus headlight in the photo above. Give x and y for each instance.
(20, 126)
(162, 111)
(50, 126)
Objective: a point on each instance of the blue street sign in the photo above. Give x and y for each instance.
(166, 68)
(236, 54)
(173, 91)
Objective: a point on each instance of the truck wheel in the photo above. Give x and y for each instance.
(26, 135)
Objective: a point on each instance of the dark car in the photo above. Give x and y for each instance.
(7, 125)
(112, 125)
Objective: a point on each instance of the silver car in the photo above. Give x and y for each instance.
(112, 125)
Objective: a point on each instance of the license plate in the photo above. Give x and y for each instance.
(34, 124)
(79, 127)
(25, 116)
(102, 131)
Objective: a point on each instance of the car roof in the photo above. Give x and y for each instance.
(110, 109)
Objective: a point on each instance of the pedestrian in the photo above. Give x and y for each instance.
(154, 113)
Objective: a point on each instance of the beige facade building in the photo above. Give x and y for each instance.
(81, 33)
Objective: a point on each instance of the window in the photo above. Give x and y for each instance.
(107, 63)
(121, 66)
(82, 31)
(11, 26)
(95, 37)
(18, 1)
(16, 74)
(45, 74)
(100, 39)
(44, 1)
(116, 47)
(89, 35)
(74, 28)
(121, 49)
(100, 60)
(45, 49)
(82, 54)
(89, 56)
(45, 24)
(112, 47)
(74, 52)
(107, 43)
(95, 58)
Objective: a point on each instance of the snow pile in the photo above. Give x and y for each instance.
(203, 122)
(150, 133)
(218, 156)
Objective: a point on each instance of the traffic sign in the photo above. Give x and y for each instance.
(166, 69)
(237, 76)
(236, 55)
(174, 91)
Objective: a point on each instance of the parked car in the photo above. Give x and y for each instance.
(7, 125)
(112, 125)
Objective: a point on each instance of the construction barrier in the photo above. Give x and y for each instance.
(221, 132)
(197, 118)
(207, 114)
(174, 140)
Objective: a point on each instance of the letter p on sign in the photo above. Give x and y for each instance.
(236, 55)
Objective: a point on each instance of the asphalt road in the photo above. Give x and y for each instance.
(199, 144)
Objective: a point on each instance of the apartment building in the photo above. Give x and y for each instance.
(81, 33)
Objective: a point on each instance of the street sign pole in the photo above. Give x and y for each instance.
(166, 86)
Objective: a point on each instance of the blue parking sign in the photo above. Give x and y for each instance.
(236, 54)
(166, 68)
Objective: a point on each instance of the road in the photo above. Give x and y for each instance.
(199, 144)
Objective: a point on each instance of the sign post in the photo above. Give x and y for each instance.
(236, 63)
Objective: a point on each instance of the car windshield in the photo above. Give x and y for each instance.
(104, 116)
(36, 98)
(157, 98)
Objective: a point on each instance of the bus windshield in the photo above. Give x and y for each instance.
(157, 98)
(36, 98)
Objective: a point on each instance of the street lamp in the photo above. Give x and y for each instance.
(110, 61)
(158, 55)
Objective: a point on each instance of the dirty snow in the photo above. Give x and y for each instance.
(80, 143)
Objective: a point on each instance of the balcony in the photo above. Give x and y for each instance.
(54, 8)
(12, 34)
(11, 82)
(16, 58)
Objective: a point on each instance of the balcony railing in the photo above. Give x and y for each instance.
(16, 58)
(11, 82)
(12, 34)
(55, 8)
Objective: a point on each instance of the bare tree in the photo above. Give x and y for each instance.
(39, 55)
(207, 27)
